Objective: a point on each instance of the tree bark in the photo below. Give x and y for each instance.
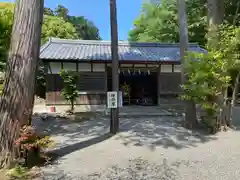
(17, 99)
(190, 110)
(215, 18)
(215, 12)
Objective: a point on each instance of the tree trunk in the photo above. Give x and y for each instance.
(17, 99)
(215, 12)
(215, 18)
(190, 116)
(72, 106)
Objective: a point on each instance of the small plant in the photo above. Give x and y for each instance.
(18, 172)
(30, 140)
(69, 90)
(31, 144)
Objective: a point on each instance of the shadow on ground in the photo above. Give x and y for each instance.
(151, 132)
(80, 145)
(166, 132)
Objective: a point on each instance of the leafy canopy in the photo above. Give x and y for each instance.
(56, 23)
(85, 28)
(209, 74)
(159, 23)
(56, 27)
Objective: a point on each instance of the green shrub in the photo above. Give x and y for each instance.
(69, 91)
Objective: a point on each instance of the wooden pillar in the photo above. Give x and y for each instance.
(114, 123)
(158, 84)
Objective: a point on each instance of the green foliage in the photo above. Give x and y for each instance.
(19, 173)
(48, 11)
(85, 28)
(228, 47)
(61, 11)
(57, 27)
(155, 23)
(209, 74)
(6, 20)
(69, 91)
(159, 23)
(205, 80)
(232, 12)
(55, 24)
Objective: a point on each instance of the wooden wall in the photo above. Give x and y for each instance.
(93, 79)
(91, 86)
(169, 83)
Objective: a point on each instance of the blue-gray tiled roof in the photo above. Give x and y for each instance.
(65, 49)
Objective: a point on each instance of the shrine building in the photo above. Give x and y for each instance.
(149, 73)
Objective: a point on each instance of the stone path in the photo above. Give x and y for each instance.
(155, 148)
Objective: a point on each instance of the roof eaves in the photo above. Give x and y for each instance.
(43, 47)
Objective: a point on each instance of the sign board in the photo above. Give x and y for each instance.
(112, 100)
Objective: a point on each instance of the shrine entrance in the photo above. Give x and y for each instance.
(138, 87)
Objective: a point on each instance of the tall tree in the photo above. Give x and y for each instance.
(190, 108)
(48, 11)
(159, 23)
(18, 93)
(85, 28)
(215, 18)
(61, 11)
(57, 27)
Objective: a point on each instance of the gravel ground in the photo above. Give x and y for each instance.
(146, 148)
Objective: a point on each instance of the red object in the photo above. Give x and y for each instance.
(52, 109)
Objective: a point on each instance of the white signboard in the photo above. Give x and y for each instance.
(112, 99)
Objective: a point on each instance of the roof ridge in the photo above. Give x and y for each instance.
(120, 43)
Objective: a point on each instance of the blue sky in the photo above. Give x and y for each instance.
(98, 11)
